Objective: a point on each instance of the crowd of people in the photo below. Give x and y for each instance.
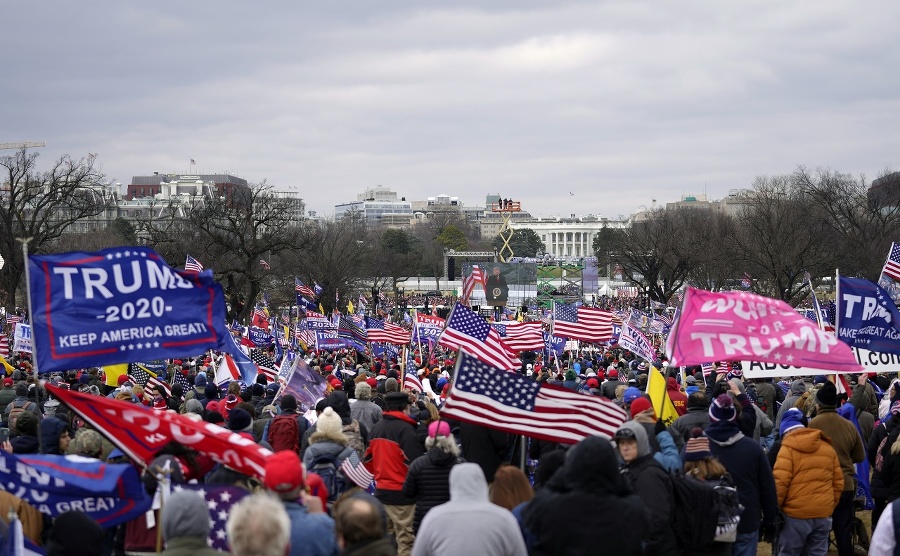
(787, 451)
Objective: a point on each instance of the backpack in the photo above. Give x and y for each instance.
(284, 433)
(17, 410)
(353, 434)
(695, 516)
(729, 507)
(329, 469)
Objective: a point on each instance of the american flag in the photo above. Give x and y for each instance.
(724, 367)
(476, 277)
(192, 264)
(411, 380)
(490, 397)
(746, 281)
(350, 330)
(4, 346)
(582, 323)
(192, 162)
(139, 373)
(265, 363)
(13, 320)
(892, 264)
(521, 336)
(303, 289)
(179, 378)
(158, 386)
(354, 470)
(264, 264)
(219, 500)
(466, 330)
(380, 331)
(707, 368)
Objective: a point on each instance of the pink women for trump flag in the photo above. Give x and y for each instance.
(744, 326)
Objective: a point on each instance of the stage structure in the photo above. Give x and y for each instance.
(506, 208)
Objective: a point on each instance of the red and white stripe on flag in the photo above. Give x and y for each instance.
(512, 403)
(412, 382)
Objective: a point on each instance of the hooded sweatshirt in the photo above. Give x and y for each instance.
(185, 525)
(798, 388)
(51, 429)
(654, 486)
(469, 524)
(590, 488)
(679, 399)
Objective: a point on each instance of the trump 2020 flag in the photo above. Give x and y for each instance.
(120, 305)
(716, 326)
(867, 317)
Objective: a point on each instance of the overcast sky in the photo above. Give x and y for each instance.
(616, 102)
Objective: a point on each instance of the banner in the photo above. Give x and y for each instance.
(305, 384)
(872, 362)
(635, 342)
(427, 328)
(109, 494)
(141, 432)
(554, 344)
(743, 326)
(259, 337)
(22, 338)
(330, 340)
(385, 351)
(867, 317)
(120, 305)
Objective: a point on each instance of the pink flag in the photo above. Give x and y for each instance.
(749, 327)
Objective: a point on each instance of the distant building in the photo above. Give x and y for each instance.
(572, 237)
(169, 185)
(378, 205)
(886, 190)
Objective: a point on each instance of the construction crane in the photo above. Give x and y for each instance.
(23, 145)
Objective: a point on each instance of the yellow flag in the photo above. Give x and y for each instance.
(349, 307)
(321, 309)
(7, 368)
(113, 372)
(662, 404)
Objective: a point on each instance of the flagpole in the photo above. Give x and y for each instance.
(837, 301)
(34, 357)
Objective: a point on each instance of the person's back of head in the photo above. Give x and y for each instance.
(359, 519)
(259, 526)
(698, 400)
(185, 515)
(75, 534)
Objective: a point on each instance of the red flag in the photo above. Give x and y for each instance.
(140, 432)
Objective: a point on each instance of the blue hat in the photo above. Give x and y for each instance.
(793, 418)
(820, 379)
(200, 380)
(631, 394)
(691, 389)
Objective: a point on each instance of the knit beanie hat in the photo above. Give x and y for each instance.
(639, 405)
(792, 419)
(329, 422)
(239, 420)
(697, 449)
(827, 395)
(288, 403)
(722, 409)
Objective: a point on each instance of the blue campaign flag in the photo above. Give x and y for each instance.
(386, 351)
(120, 305)
(554, 345)
(329, 339)
(109, 494)
(867, 316)
(306, 304)
(259, 337)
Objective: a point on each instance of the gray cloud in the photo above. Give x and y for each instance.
(619, 102)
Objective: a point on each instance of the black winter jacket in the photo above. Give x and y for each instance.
(486, 447)
(588, 484)
(654, 487)
(428, 481)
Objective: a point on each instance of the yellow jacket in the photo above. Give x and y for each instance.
(808, 475)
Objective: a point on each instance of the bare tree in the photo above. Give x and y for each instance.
(237, 236)
(43, 206)
(864, 224)
(781, 235)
